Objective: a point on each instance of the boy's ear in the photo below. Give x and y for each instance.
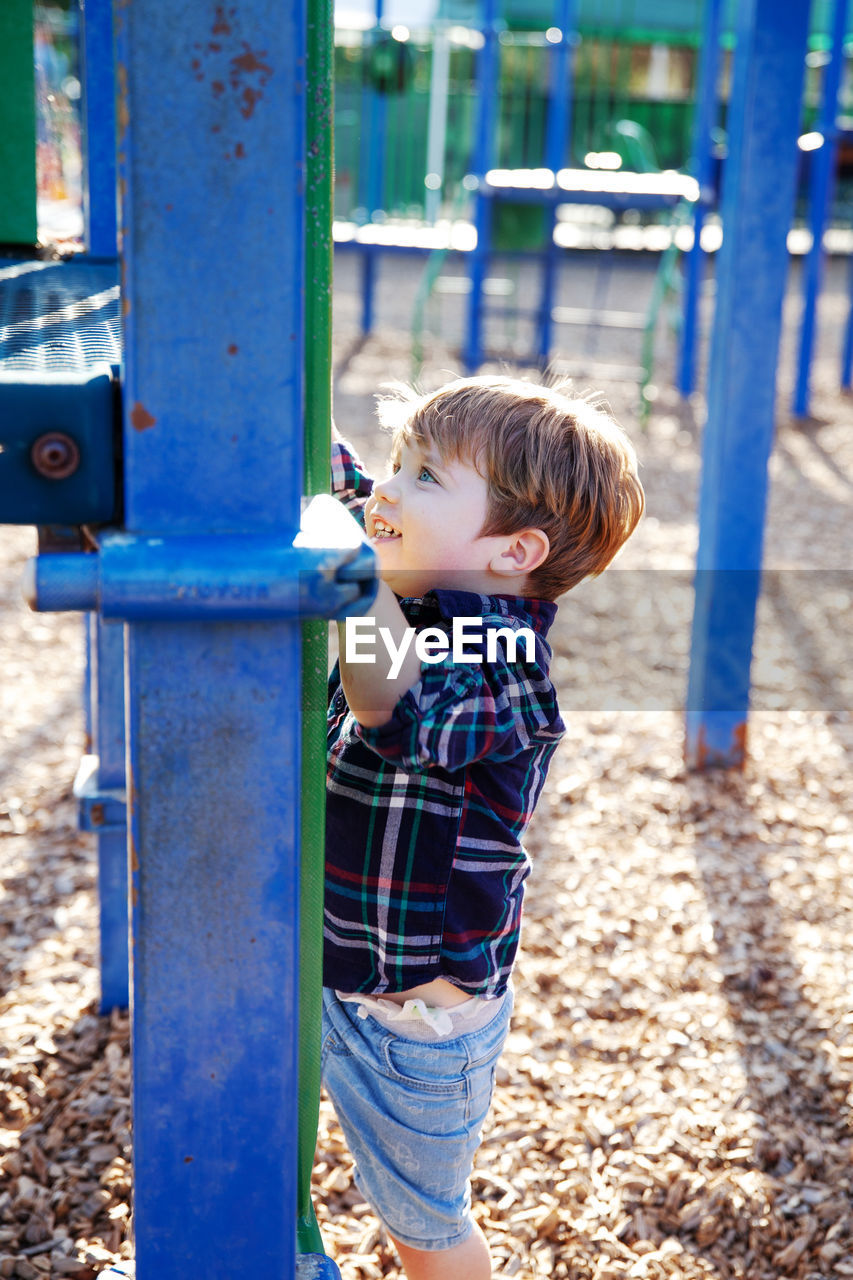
(523, 553)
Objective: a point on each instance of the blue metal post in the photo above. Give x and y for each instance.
(105, 644)
(701, 169)
(557, 134)
(106, 812)
(99, 127)
(821, 188)
(488, 79)
(758, 200)
(847, 352)
(211, 144)
(372, 168)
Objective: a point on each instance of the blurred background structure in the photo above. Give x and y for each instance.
(543, 185)
(519, 151)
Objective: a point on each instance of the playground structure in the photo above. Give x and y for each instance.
(537, 131)
(212, 614)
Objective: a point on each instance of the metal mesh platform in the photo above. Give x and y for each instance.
(59, 315)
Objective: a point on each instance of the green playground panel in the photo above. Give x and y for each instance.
(18, 224)
(517, 225)
(600, 99)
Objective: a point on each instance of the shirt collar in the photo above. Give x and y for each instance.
(449, 604)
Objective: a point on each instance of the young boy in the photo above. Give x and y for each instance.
(502, 495)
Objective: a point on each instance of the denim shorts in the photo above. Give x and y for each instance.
(412, 1112)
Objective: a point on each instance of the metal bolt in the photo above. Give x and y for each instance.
(55, 455)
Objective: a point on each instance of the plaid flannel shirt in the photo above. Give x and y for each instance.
(425, 868)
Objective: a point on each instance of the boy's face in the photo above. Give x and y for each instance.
(424, 523)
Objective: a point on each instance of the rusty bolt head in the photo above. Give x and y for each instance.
(55, 455)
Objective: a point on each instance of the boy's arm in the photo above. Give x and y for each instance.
(457, 713)
(370, 691)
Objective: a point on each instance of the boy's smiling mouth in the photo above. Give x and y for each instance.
(381, 529)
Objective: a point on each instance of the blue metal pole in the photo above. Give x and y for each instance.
(105, 644)
(98, 127)
(847, 352)
(700, 167)
(758, 201)
(557, 133)
(373, 168)
(485, 143)
(106, 812)
(211, 146)
(821, 189)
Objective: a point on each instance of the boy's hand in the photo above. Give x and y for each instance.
(370, 692)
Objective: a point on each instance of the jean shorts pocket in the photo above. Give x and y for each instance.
(425, 1067)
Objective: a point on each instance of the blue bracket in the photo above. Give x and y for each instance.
(57, 446)
(215, 578)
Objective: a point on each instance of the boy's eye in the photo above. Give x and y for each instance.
(425, 471)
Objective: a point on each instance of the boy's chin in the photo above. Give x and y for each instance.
(407, 584)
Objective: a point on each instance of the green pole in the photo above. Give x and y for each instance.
(18, 221)
(318, 416)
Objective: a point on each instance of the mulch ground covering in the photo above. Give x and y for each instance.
(675, 1096)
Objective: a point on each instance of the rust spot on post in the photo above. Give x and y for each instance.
(250, 62)
(734, 758)
(121, 104)
(140, 418)
(125, 297)
(221, 25)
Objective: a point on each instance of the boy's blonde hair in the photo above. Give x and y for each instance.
(552, 461)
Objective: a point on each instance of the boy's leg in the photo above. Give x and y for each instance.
(467, 1261)
(411, 1113)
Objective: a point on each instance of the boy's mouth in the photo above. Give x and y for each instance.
(383, 530)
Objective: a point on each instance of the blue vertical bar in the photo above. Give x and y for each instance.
(106, 647)
(372, 173)
(211, 146)
(557, 133)
(488, 78)
(821, 188)
(758, 200)
(368, 287)
(847, 351)
(700, 168)
(98, 127)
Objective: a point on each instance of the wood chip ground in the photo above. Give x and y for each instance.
(675, 1098)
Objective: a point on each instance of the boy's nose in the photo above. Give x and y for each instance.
(387, 488)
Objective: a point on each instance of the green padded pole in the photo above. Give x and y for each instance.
(18, 222)
(318, 416)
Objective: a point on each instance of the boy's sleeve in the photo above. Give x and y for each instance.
(351, 483)
(459, 713)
